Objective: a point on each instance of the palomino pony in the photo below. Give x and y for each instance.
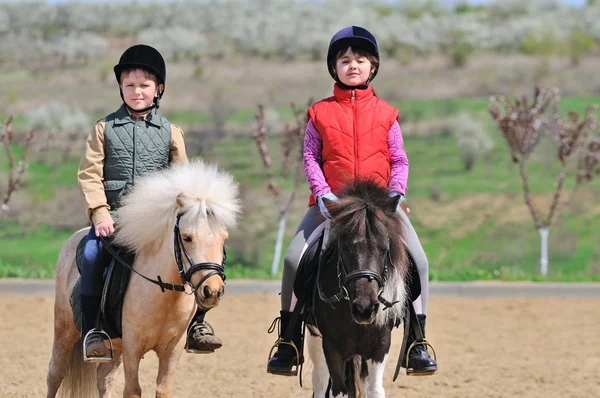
(203, 202)
(361, 293)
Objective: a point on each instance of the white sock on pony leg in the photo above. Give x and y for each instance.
(417, 305)
(375, 378)
(320, 372)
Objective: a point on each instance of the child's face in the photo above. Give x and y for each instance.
(353, 69)
(139, 89)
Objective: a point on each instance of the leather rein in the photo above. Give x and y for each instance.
(186, 275)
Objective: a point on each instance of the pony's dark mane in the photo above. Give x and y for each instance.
(363, 213)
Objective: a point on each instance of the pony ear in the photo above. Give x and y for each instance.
(392, 204)
(332, 206)
(181, 200)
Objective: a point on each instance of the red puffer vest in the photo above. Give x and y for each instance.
(354, 126)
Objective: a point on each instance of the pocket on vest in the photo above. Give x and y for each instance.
(114, 191)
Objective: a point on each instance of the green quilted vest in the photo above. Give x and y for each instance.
(132, 149)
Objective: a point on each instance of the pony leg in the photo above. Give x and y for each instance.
(65, 337)
(320, 373)
(105, 374)
(167, 362)
(336, 366)
(132, 355)
(375, 378)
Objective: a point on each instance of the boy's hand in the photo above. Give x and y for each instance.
(105, 228)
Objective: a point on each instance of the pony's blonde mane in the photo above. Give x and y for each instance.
(149, 212)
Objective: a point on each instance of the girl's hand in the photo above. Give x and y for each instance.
(105, 228)
(321, 204)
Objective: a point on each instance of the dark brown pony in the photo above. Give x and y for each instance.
(361, 293)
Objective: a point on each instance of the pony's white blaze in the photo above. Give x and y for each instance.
(320, 372)
(375, 378)
(207, 200)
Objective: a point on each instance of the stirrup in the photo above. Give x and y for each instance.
(105, 336)
(294, 371)
(411, 371)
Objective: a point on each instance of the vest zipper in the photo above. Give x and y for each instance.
(354, 133)
(133, 171)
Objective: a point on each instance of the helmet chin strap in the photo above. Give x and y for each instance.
(346, 87)
(363, 86)
(155, 104)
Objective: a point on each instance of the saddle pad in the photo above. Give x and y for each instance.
(309, 261)
(116, 280)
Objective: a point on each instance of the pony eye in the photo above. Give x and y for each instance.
(209, 211)
(187, 238)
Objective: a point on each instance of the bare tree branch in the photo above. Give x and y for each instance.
(520, 123)
(292, 142)
(528, 201)
(15, 170)
(260, 136)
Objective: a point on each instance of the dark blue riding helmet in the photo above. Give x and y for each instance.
(351, 36)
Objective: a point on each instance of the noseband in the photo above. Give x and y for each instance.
(186, 276)
(344, 278)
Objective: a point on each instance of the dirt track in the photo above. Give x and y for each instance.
(535, 347)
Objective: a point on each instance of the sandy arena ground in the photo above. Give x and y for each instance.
(540, 347)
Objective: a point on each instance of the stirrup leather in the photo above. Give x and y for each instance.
(411, 371)
(294, 371)
(104, 336)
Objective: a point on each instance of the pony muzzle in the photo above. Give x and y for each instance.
(364, 310)
(210, 292)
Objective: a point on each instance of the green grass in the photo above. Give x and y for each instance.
(30, 253)
(496, 250)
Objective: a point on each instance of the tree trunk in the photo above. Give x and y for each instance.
(278, 243)
(544, 231)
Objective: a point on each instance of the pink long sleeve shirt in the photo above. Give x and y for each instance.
(313, 146)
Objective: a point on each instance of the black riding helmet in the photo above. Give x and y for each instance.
(349, 37)
(146, 58)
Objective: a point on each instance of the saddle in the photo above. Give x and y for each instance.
(116, 280)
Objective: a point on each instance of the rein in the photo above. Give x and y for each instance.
(186, 276)
(344, 278)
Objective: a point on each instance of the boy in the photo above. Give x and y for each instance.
(124, 146)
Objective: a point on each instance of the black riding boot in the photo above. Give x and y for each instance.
(285, 359)
(419, 361)
(94, 347)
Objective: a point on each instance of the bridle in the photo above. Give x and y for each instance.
(344, 277)
(186, 275)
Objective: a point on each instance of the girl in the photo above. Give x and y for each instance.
(352, 135)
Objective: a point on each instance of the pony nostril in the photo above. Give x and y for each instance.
(221, 291)
(364, 308)
(206, 292)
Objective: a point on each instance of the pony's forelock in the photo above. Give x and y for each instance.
(150, 210)
(360, 214)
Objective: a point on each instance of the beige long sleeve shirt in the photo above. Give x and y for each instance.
(91, 170)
